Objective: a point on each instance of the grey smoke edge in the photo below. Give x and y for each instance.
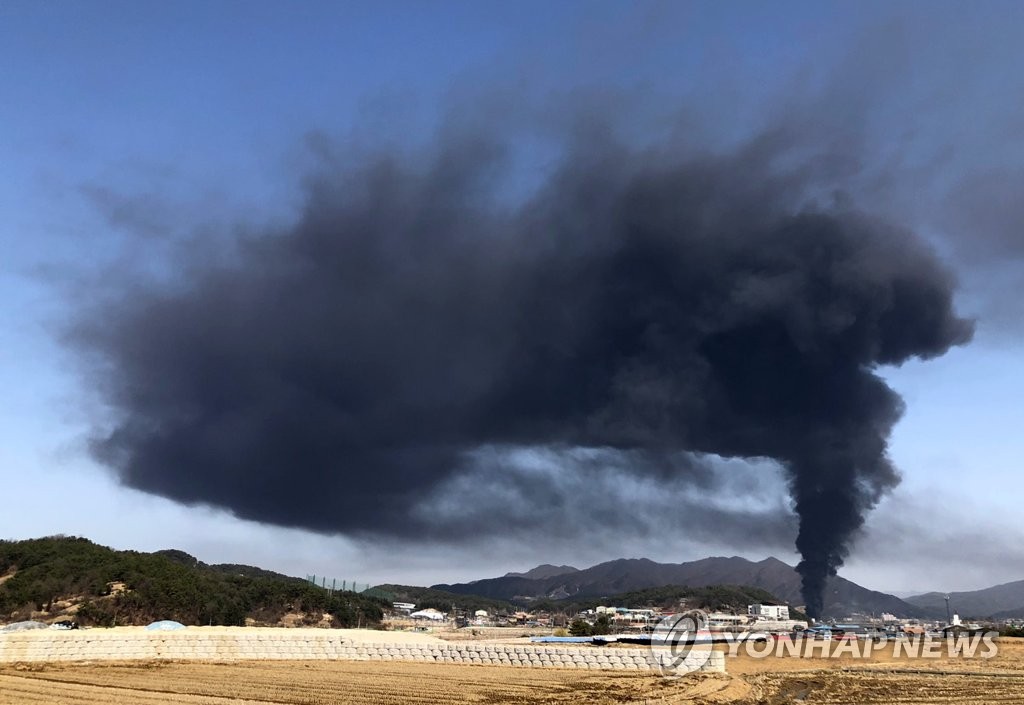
(612, 499)
(336, 373)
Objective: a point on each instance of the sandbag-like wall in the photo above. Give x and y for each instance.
(308, 644)
(117, 645)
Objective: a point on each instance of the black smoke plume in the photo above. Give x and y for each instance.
(332, 374)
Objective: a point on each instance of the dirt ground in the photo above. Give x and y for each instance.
(750, 681)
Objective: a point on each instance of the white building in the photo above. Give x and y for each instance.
(429, 613)
(773, 612)
(722, 620)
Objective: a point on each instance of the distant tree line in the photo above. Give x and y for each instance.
(711, 598)
(424, 598)
(601, 625)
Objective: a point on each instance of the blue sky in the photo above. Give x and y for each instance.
(195, 119)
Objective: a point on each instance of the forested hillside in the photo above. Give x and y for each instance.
(73, 577)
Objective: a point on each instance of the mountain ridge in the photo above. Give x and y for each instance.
(999, 601)
(544, 570)
(633, 574)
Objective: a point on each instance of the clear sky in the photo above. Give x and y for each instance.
(129, 128)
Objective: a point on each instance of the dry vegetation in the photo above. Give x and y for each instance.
(769, 681)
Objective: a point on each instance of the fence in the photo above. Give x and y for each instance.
(333, 585)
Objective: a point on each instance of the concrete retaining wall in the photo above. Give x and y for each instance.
(93, 645)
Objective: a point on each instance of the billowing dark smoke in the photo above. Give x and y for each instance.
(332, 375)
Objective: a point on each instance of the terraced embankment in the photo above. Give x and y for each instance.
(318, 644)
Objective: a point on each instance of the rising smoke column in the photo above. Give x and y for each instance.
(331, 375)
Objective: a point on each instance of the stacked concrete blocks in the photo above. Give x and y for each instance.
(312, 644)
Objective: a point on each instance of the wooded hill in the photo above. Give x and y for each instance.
(60, 577)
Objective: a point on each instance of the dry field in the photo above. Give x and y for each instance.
(750, 681)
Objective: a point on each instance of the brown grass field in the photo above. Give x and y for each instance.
(772, 681)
